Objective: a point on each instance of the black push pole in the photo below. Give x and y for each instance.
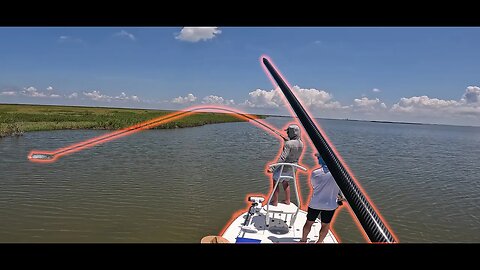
(369, 219)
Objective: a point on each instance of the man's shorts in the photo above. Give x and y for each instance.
(325, 215)
(287, 171)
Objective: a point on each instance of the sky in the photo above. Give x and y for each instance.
(410, 74)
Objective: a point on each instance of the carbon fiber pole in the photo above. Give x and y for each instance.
(369, 219)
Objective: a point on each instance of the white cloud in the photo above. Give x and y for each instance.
(125, 34)
(217, 100)
(182, 100)
(50, 92)
(473, 111)
(8, 93)
(464, 110)
(434, 110)
(124, 96)
(468, 105)
(195, 34)
(317, 99)
(32, 92)
(368, 105)
(97, 96)
(376, 90)
(69, 39)
(418, 108)
(423, 103)
(311, 98)
(472, 94)
(263, 99)
(365, 102)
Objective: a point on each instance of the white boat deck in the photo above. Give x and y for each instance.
(265, 223)
(278, 230)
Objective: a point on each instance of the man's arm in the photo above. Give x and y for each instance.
(283, 156)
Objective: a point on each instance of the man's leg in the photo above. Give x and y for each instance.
(312, 215)
(306, 230)
(286, 187)
(323, 232)
(274, 201)
(326, 217)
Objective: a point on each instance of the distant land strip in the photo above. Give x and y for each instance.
(15, 119)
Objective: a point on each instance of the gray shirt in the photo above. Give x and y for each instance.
(292, 149)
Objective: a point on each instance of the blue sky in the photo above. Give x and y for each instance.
(429, 75)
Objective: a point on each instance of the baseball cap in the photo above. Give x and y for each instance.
(293, 126)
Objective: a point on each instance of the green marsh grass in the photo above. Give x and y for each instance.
(17, 119)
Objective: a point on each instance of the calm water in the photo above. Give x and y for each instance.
(180, 185)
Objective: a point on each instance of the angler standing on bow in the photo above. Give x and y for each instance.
(292, 150)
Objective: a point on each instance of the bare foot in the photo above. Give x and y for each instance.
(302, 241)
(273, 203)
(285, 202)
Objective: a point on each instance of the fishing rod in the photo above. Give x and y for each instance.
(255, 120)
(52, 156)
(371, 222)
(46, 156)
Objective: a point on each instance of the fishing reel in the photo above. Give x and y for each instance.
(255, 199)
(340, 199)
(255, 207)
(256, 203)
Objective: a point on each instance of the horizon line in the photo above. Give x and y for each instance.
(267, 115)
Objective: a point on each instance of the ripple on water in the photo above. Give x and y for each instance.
(180, 185)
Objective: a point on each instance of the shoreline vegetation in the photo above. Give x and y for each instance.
(16, 119)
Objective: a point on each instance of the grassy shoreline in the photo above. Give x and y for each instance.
(15, 119)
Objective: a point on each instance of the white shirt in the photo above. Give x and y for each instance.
(325, 190)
